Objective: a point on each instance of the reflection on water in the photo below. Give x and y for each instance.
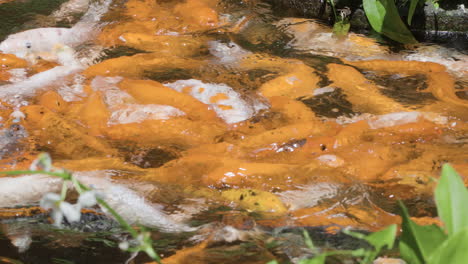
(219, 125)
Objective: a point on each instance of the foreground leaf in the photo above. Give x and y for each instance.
(316, 260)
(453, 250)
(379, 240)
(408, 254)
(383, 238)
(411, 10)
(384, 18)
(418, 242)
(451, 199)
(9, 260)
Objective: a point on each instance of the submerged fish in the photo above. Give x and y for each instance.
(36, 82)
(134, 208)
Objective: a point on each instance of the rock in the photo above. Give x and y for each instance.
(389, 261)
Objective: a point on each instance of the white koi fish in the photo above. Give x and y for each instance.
(37, 82)
(54, 44)
(134, 208)
(30, 43)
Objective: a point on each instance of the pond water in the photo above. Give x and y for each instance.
(224, 128)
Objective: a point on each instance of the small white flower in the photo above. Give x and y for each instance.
(49, 200)
(60, 209)
(43, 162)
(124, 245)
(88, 199)
(71, 212)
(22, 242)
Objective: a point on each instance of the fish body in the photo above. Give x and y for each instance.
(34, 41)
(30, 43)
(134, 208)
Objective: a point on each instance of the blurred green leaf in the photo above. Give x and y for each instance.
(9, 260)
(383, 238)
(453, 250)
(411, 10)
(320, 259)
(408, 254)
(379, 240)
(341, 28)
(354, 234)
(418, 242)
(61, 261)
(384, 18)
(451, 199)
(308, 240)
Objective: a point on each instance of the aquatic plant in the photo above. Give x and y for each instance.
(384, 18)
(88, 197)
(434, 244)
(418, 244)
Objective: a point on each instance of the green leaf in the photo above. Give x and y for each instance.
(308, 240)
(418, 241)
(341, 28)
(451, 199)
(408, 254)
(384, 18)
(320, 259)
(453, 250)
(383, 238)
(9, 260)
(379, 240)
(411, 10)
(354, 234)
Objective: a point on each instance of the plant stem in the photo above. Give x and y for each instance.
(63, 194)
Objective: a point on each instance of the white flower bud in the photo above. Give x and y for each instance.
(57, 216)
(49, 201)
(71, 212)
(88, 199)
(124, 245)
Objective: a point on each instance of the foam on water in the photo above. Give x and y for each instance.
(18, 75)
(73, 91)
(323, 90)
(226, 102)
(308, 195)
(227, 52)
(456, 62)
(113, 96)
(70, 8)
(394, 119)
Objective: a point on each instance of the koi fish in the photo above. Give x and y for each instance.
(133, 207)
(34, 42)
